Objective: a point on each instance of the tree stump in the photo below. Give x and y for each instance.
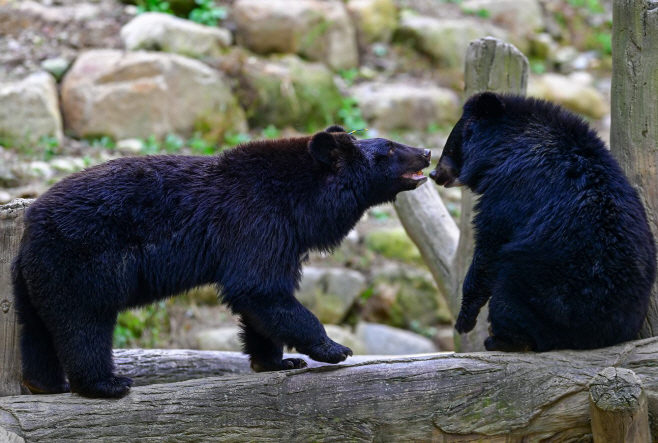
(618, 405)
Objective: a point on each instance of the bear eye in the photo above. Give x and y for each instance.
(390, 151)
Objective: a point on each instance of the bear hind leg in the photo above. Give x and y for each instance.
(85, 350)
(42, 370)
(509, 325)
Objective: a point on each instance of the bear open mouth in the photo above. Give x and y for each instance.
(417, 177)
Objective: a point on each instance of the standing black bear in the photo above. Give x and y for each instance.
(135, 230)
(562, 246)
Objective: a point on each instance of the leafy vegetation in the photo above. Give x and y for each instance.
(145, 327)
(104, 142)
(349, 75)
(593, 6)
(350, 115)
(154, 6)
(207, 12)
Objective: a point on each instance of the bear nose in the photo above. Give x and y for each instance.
(427, 153)
(433, 174)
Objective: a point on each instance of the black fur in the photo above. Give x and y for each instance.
(563, 247)
(135, 230)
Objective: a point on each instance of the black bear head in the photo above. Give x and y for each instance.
(481, 111)
(378, 167)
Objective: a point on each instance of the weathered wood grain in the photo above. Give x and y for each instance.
(155, 366)
(634, 131)
(618, 406)
(494, 397)
(11, 230)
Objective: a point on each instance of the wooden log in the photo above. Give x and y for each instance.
(634, 131)
(156, 366)
(11, 230)
(483, 397)
(618, 406)
(432, 229)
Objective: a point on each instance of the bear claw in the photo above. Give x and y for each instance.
(465, 324)
(282, 365)
(329, 352)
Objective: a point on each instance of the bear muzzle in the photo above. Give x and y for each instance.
(445, 174)
(417, 177)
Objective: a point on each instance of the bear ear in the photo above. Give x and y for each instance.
(321, 145)
(489, 105)
(334, 128)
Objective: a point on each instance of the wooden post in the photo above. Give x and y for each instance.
(432, 229)
(11, 230)
(619, 408)
(491, 65)
(634, 131)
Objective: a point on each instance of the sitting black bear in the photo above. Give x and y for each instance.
(562, 245)
(135, 230)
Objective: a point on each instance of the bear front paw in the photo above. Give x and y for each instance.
(328, 352)
(465, 323)
(277, 365)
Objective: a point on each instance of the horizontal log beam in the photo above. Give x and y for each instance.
(455, 397)
(156, 366)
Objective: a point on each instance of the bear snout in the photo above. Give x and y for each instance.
(445, 174)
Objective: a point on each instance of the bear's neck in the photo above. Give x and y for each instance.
(330, 217)
(313, 208)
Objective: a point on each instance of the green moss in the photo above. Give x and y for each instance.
(394, 244)
(289, 92)
(406, 297)
(145, 328)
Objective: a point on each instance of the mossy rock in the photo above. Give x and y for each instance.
(287, 91)
(406, 297)
(393, 243)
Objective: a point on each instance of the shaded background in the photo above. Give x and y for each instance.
(81, 83)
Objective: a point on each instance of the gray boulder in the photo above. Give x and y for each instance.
(346, 337)
(574, 92)
(330, 292)
(375, 20)
(227, 339)
(316, 30)
(445, 40)
(29, 109)
(386, 340)
(389, 106)
(520, 17)
(164, 32)
(138, 94)
(219, 339)
(287, 91)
